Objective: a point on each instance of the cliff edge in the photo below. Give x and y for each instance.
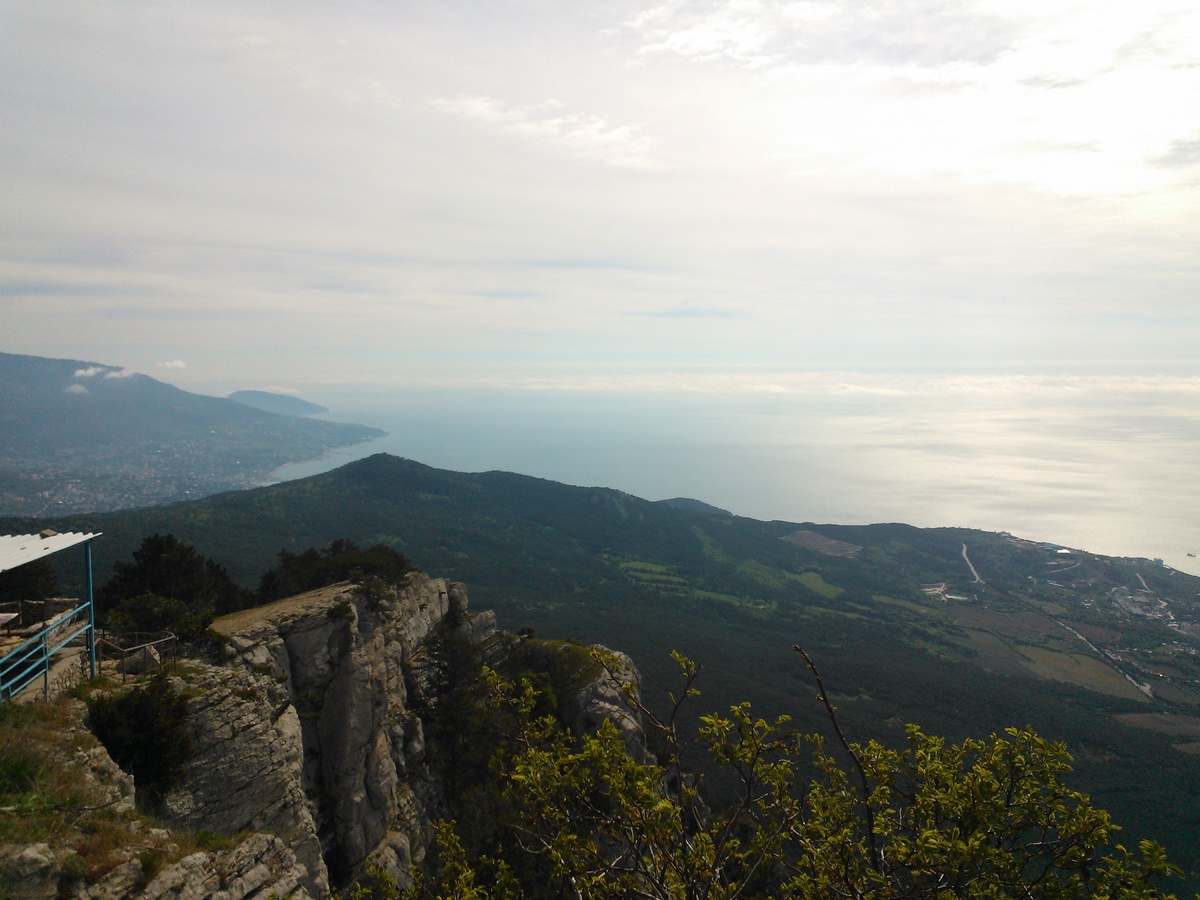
(309, 735)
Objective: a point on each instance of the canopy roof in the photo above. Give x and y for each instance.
(18, 549)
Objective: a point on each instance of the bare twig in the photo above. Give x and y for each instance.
(876, 862)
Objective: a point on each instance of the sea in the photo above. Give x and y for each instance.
(1104, 464)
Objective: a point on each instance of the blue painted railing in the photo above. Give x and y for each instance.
(34, 657)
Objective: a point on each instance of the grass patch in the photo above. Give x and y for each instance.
(750, 604)
(652, 575)
(906, 604)
(1053, 609)
(814, 582)
(1075, 668)
(709, 546)
(51, 803)
(779, 579)
(720, 598)
(826, 611)
(637, 566)
(767, 576)
(647, 573)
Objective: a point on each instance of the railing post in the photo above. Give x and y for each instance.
(91, 632)
(45, 666)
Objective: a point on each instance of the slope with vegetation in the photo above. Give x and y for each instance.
(904, 631)
(356, 720)
(581, 818)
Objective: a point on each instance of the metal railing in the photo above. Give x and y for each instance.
(34, 612)
(143, 649)
(33, 658)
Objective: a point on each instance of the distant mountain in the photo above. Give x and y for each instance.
(893, 614)
(78, 435)
(281, 404)
(696, 506)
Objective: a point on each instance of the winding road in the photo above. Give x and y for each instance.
(978, 580)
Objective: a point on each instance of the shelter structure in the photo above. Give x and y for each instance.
(35, 656)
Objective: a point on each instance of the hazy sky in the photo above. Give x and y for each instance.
(241, 194)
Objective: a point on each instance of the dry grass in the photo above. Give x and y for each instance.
(239, 621)
(44, 799)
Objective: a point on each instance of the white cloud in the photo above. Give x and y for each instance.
(1068, 98)
(75, 389)
(739, 31)
(90, 372)
(700, 186)
(119, 373)
(588, 137)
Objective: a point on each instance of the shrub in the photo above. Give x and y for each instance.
(145, 731)
(982, 819)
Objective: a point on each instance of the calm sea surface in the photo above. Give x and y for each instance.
(1101, 464)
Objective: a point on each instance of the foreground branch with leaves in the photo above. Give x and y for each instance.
(981, 819)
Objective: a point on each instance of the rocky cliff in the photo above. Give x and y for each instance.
(308, 731)
(309, 734)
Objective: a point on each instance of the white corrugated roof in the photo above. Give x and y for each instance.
(18, 549)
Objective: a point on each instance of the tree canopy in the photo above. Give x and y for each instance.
(342, 560)
(165, 566)
(987, 818)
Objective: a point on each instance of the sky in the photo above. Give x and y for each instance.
(557, 193)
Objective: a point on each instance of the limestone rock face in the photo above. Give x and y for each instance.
(309, 731)
(309, 736)
(246, 774)
(346, 659)
(607, 697)
(257, 868)
(29, 871)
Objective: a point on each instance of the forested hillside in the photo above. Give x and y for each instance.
(895, 616)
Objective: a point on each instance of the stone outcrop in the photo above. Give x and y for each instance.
(611, 696)
(29, 871)
(247, 772)
(310, 734)
(259, 867)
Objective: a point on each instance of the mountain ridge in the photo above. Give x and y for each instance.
(82, 435)
(281, 404)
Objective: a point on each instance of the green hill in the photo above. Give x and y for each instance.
(893, 614)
